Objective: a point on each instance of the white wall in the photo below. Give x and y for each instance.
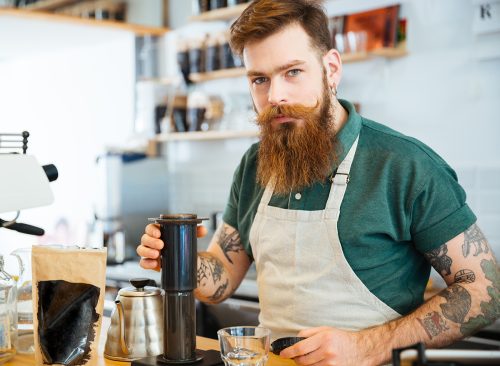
(73, 102)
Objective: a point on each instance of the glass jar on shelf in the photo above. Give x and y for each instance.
(25, 341)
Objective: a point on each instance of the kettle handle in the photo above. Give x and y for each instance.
(121, 317)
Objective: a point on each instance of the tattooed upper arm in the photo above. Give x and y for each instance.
(229, 241)
(455, 260)
(472, 299)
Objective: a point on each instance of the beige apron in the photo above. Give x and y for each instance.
(304, 279)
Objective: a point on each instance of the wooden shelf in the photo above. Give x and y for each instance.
(354, 57)
(205, 135)
(386, 52)
(218, 74)
(220, 14)
(139, 30)
(391, 52)
(49, 4)
(160, 81)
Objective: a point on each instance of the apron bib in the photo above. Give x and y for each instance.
(303, 279)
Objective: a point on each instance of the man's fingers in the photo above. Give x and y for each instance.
(201, 231)
(301, 348)
(311, 331)
(147, 252)
(150, 242)
(153, 230)
(309, 359)
(150, 264)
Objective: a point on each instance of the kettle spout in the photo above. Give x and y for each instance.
(121, 317)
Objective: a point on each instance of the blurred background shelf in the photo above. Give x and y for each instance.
(386, 52)
(391, 52)
(49, 4)
(205, 135)
(220, 14)
(24, 15)
(218, 74)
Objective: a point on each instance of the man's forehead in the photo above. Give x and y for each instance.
(290, 43)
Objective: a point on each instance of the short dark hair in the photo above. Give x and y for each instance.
(263, 18)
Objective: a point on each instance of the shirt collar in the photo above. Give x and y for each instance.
(348, 133)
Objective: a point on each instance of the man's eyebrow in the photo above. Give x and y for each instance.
(284, 67)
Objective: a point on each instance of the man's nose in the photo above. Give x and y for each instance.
(277, 93)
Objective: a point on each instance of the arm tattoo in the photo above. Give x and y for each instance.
(203, 270)
(433, 324)
(220, 291)
(465, 276)
(473, 237)
(439, 260)
(229, 242)
(458, 303)
(490, 310)
(209, 267)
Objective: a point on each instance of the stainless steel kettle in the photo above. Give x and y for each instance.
(136, 329)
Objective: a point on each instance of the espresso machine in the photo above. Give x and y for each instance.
(178, 280)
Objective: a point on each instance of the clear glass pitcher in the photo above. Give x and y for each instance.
(24, 301)
(8, 316)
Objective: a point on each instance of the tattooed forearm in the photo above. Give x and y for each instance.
(439, 260)
(229, 242)
(433, 324)
(474, 238)
(456, 308)
(219, 292)
(490, 310)
(458, 303)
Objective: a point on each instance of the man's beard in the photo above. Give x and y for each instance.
(297, 156)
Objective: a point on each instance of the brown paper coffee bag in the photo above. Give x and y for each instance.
(68, 300)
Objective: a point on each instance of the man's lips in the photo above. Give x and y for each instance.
(282, 119)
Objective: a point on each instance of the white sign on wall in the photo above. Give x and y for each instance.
(486, 16)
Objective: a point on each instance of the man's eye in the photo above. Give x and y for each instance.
(294, 72)
(259, 81)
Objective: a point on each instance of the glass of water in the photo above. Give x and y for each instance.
(244, 346)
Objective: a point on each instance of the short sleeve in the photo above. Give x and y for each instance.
(439, 211)
(230, 215)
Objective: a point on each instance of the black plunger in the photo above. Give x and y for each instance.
(179, 279)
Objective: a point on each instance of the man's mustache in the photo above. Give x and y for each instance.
(295, 111)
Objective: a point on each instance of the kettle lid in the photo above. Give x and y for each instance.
(140, 288)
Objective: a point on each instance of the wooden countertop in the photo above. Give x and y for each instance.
(202, 343)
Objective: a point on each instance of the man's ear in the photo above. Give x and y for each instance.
(333, 66)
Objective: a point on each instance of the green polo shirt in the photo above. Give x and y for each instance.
(402, 200)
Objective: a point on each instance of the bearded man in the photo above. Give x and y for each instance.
(343, 216)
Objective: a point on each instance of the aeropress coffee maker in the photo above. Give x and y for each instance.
(178, 280)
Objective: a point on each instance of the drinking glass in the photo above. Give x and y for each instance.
(244, 346)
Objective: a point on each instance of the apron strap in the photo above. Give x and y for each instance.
(268, 193)
(339, 183)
